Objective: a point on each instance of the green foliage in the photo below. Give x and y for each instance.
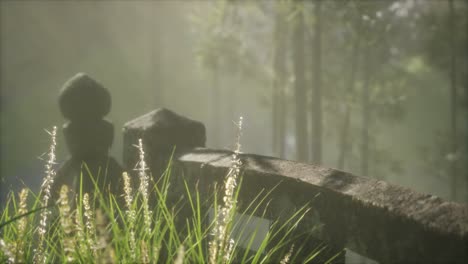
(99, 229)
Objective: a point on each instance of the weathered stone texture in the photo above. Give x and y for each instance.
(162, 131)
(85, 102)
(88, 139)
(385, 222)
(381, 221)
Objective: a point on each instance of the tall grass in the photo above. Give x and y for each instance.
(127, 228)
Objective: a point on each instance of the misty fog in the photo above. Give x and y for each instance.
(393, 79)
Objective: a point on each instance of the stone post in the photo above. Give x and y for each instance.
(88, 136)
(162, 132)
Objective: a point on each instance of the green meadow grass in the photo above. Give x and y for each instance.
(141, 225)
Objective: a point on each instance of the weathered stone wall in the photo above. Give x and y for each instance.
(385, 222)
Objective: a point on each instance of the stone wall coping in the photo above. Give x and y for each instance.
(438, 224)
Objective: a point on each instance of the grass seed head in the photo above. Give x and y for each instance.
(46, 186)
(6, 249)
(144, 252)
(288, 255)
(68, 238)
(221, 241)
(131, 215)
(22, 225)
(180, 255)
(143, 188)
(90, 223)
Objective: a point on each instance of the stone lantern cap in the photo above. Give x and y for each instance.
(165, 129)
(82, 98)
(162, 131)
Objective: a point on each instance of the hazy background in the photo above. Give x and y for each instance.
(216, 60)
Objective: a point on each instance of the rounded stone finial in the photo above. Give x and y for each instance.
(81, 98)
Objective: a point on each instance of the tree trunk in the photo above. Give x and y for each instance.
(316, 107)
(344, 136)
(343, 147)
(366, 115)
(231, 93)
(216, 104)
(279, 69)
(231, 98)
(466, 94)
(156, 75)
(282, 112)
(453, 102)
(299, 87)
(216, 84)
